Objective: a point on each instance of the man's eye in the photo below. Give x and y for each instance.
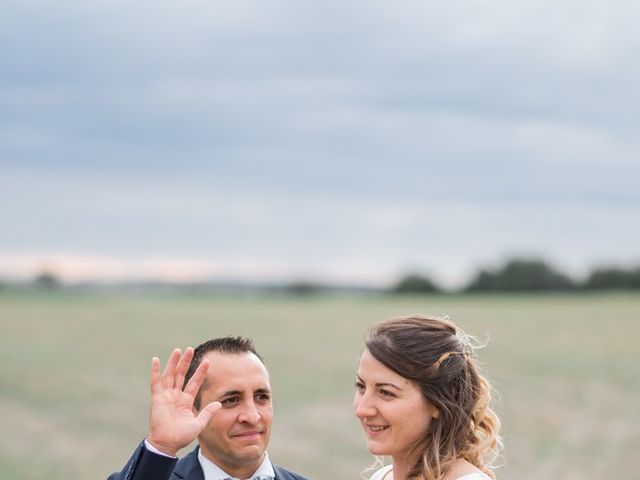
(230, 401)
(263, 397)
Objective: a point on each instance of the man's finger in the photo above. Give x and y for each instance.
(169, 374)
(198, 377)
(183, 366)
(155, 376)
(206, 413)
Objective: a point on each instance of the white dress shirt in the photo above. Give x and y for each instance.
(214, 472)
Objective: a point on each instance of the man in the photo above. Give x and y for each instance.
(221, 394)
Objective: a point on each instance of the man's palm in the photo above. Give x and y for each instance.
(173, 423)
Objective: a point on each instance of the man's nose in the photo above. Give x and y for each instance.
(250, 413)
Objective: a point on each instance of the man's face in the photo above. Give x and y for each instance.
(238, 434)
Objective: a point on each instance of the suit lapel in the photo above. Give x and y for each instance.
(188, 468)
(281, 474)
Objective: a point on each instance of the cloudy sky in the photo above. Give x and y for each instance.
(344, 141)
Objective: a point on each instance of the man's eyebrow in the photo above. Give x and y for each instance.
(230, 393)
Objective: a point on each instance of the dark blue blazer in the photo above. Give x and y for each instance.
(146, 465)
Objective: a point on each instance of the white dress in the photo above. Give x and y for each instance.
(379, 475)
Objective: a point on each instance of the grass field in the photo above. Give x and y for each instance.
(73, 382)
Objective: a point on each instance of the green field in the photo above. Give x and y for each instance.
(73, 382)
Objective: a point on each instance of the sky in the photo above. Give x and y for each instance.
(347, 142)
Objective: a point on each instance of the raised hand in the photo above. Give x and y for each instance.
(173, 424)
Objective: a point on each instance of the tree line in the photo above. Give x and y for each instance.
(516, 275)
(528, 275)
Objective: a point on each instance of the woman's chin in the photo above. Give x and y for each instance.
(376, 449)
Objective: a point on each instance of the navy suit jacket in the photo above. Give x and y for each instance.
(146, 465)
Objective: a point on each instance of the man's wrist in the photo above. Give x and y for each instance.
(159, 450)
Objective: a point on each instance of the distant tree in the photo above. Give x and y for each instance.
(613, 278)
(46, 281)
(484, 281)
(303, 288)
(415, 283)
(521, 275)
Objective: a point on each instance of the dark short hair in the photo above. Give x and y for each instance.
(230, 345)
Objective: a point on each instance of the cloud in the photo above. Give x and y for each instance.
(321, 137)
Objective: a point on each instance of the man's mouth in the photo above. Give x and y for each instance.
(249, 433)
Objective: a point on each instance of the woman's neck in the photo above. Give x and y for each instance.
(401, 468)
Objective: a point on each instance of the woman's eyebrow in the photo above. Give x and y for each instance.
(381, 384)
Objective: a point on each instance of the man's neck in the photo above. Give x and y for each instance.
(242, 472)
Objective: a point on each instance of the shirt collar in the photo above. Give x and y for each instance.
(214, 472)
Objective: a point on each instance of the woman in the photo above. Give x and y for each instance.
(422, 401)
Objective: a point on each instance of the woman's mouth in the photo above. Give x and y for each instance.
(376, 428)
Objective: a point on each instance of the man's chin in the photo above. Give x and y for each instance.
(250, 453)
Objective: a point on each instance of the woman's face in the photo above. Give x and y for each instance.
(393, 411)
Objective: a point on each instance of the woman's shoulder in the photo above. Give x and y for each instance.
(380, 473)
(461, 469)
(475, 476)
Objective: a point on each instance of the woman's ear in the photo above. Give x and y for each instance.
(436, 413)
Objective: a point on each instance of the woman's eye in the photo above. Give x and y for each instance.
(359, 386)
(387, 393)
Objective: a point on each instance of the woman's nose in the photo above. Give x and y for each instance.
(363, 407)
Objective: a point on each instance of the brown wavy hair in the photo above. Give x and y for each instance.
(439, 358)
